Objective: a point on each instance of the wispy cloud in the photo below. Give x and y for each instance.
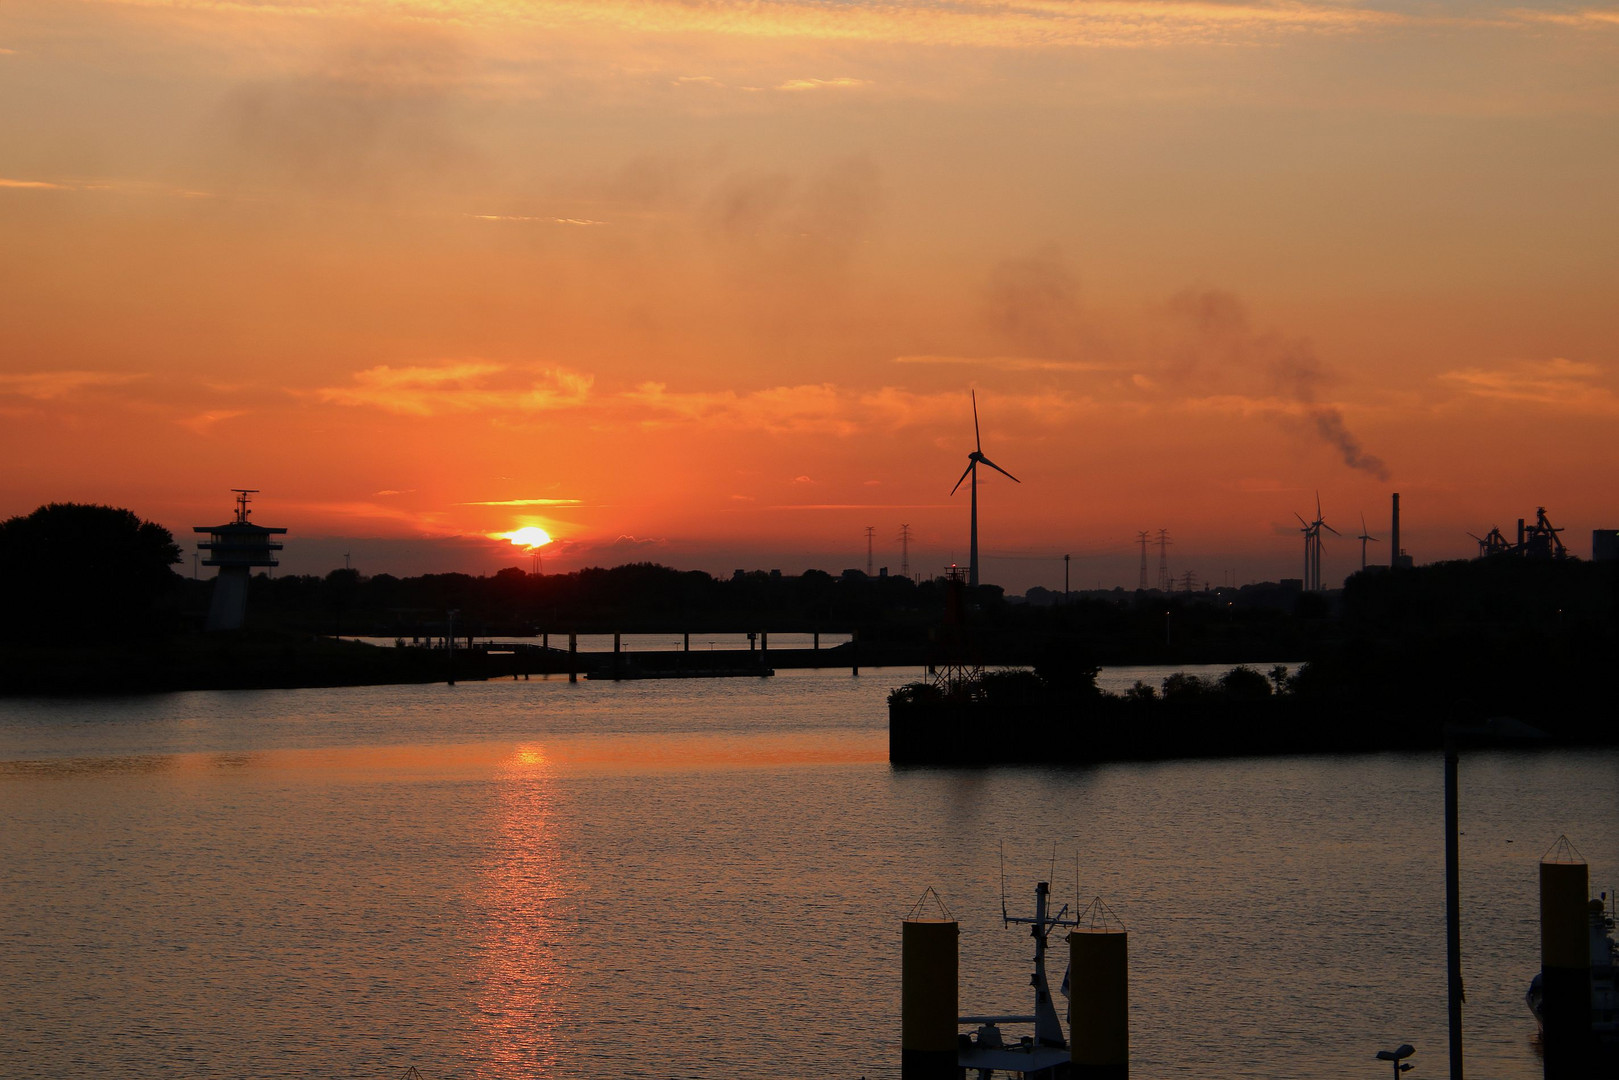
(822, 84)
(807, 409)
(539, 219)
(861, 506)
(1606, 18)
(466, 386)
(1568, 385)
(42, 185)
(202, 423)
(1038, 24)
(1005, 363)
(524, 502)
(50, 385)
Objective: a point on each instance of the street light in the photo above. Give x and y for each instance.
(1397, 1058)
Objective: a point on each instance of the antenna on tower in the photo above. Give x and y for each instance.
(870, 530)
(1142, 537)
(905, 551)
(1165, 582)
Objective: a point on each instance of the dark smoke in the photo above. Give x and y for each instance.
(1223, 344)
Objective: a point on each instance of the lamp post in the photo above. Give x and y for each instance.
(1397, 1058)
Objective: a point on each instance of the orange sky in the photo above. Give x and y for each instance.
(708, 284)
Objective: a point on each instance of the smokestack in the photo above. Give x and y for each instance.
(1394, 546)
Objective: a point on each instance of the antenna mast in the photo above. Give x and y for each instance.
(905, 551)
(870, 529)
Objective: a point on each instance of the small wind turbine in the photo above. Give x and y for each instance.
(1363, 538)
(974, 459)
(1312, 545)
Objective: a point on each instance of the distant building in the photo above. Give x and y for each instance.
(1604, 545)
(236, 548)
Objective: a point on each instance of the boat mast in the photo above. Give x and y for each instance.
(1047, 1028)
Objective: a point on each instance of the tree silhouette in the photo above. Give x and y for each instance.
(80, 570)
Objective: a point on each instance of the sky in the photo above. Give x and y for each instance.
(709, 282)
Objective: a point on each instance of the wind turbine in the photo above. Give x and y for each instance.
(974, 459)
(1312, 546)
(1310, 532)
(1319, 523)
(1363, 538)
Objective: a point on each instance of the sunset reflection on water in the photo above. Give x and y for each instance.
(520, 1013)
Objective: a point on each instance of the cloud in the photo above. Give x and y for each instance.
(779, 410)
(995, 24)
(525, 502)
(204, 422)
(51, 385)
(1005, 363)
(820, 84)
(6, 182)
(1590, 17)
(467, 386)
(863, 506)
(542, 220)
(1563, 384)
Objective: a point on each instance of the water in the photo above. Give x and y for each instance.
(704, 879)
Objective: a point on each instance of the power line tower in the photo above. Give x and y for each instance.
(1142, 536)
(1188, 581)
(870, 531)
(1165, 583)
(905, 551)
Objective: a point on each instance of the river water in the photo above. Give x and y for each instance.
(706, 879)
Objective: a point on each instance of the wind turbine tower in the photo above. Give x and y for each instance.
(1363, 538)
(975, 459)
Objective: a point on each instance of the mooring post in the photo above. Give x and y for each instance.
(573, 657)
(854, 654)
(449, 643)
(1453, 910)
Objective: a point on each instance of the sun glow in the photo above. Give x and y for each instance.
(529, 536)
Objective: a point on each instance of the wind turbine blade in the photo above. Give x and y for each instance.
(971, 465)
(1329, 528)
(998, 469)
(977, 438)
(1300, 516)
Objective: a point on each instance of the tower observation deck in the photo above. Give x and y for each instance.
(236, 547)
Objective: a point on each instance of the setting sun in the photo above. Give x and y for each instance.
(529, 536)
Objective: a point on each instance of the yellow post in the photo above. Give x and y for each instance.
(928, 999)
(1565, 960)
(1099, 1005)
